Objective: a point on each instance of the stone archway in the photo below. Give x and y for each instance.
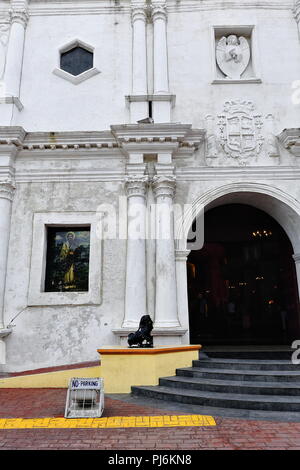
(279, 205)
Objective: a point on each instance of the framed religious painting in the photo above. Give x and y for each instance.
(67, 262)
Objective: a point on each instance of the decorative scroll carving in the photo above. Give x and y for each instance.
(233, 56)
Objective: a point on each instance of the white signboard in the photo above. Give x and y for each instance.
(81, 384)
(85, 398)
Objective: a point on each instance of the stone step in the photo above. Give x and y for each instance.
(244, 364)
(270, 354)
(227, 386)
(223, 400)
(240, 375)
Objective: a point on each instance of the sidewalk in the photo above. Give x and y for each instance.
(228, 433)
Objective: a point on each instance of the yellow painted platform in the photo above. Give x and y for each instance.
(112, 422)
(122, 367)
(57, 379)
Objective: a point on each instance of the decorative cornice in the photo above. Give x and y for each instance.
(221, 173)
(157, 137)
(90, 7)
(69, 140)
(12, 135)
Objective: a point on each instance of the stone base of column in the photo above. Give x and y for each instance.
(161, 336)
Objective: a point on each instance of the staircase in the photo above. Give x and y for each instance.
(239, 380)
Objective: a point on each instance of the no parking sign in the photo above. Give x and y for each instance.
(85, 398)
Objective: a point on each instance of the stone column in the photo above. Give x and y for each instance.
(161, 108)
(160, 53)
(166, 299)
(6, 197)
(182, 290)
(136, 288)
(14, 57)
(139, 109)
(296, 257)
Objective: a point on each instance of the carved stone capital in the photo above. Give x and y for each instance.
(158, 11)
(7, 189)
(138, 13)
(19, 15)
(164, 186)
(136, 185)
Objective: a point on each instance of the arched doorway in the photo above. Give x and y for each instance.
(242, 285)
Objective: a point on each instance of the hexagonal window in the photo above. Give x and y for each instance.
(76, 62)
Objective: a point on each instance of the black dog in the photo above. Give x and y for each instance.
(142, 334)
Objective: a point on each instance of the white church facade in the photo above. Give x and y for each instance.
(216, 86)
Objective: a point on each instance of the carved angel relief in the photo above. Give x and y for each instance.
(233, 56)
(240, 129)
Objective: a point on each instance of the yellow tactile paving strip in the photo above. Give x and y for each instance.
(165, 421)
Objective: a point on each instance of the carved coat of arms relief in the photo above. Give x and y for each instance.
(240, 129)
